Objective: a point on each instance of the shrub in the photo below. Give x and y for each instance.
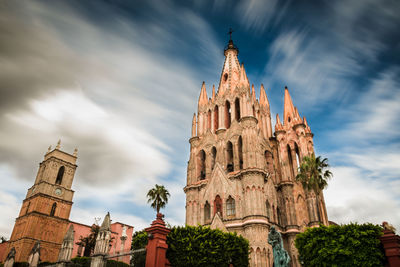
(82, 261)
(341, 245)
(45, 263)
(112, 263)
(202, 246)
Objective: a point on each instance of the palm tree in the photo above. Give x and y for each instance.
(158, 197)
(313, 174)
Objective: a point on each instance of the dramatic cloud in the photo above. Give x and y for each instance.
(121, 81)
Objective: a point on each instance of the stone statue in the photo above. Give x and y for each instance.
(281, 256)
(9, 262)
(34, 256)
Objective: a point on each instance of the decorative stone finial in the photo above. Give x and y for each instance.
(75, 152)
(58, 144)
(49, 149)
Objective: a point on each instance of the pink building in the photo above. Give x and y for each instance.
(121, 240)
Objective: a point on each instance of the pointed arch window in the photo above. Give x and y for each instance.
(60, 175)
(297, 155)
(230, 207)
(216, 118)
(240, 150)
(268, 208)
(53, 209)
(201, 165)
(27, 208)
(229, 157)
(278, 213)
(227, 114)
(207, 212)
(218, 205)
(237, 109)
(213, 157)
(289, 151)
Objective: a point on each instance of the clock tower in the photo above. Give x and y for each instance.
(44, 215)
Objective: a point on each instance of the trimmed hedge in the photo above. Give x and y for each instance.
(341, 245)
(113, 263)
(82, 261)
(202, 246)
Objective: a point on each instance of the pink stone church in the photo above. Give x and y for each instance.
(241, 172)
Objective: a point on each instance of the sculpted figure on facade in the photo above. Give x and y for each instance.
(243, 170)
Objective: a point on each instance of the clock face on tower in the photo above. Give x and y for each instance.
(58, 191)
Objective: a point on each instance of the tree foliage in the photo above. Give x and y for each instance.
(341, 245)
(139, 241)
(89, 242)
(158, 197)
(313, 173)
(202, 246)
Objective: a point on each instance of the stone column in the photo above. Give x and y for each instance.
(157, 246)
(391, 245)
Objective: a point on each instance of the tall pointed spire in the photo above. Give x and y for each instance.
(213, 93)
(263, 97)
(203, 99)
(253, 94)
(278, 125)
(106, 225)
(231, 71)
(288, 110)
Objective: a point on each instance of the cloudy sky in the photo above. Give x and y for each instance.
(120, 80)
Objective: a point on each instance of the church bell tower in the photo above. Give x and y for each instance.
(241, 174)
(44, 215)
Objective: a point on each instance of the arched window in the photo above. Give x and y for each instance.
(53, 209)
(27, 207)
(229, 157)
(202, 165)
(60, 175)
(237, 109)
(268, 208)
(240, 148)
(207, 212)
(216, 118)
(227, 114)
(209, 119)
(213, 157)
(289, 151)
(230, 207)
(278, 213)
(268, 161)
(218, 205)
(297, 155)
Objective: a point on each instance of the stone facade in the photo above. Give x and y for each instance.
(241, 176)
(45, 211)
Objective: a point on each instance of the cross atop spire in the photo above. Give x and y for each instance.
(230, 34)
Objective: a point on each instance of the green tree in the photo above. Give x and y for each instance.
(139, 241)
(89, 242)
(158, 197)
(313, 174)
